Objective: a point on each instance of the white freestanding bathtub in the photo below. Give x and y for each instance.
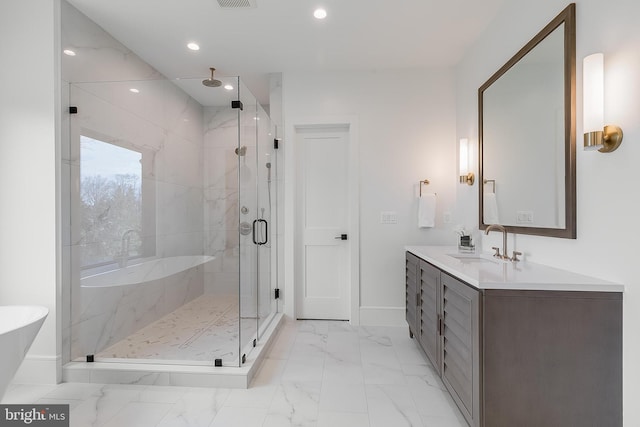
(19, 325)
(146, 272)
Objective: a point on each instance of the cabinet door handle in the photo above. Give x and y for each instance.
(440, 324)
(418, 299)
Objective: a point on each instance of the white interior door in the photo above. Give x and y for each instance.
(324, 253)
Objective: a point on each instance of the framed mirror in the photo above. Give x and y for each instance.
(527, 136)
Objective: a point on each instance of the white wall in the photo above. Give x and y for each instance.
(29, 115)
(406, 133)
(607, 196)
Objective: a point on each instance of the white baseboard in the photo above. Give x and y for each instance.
(36, 369)
(382, 316)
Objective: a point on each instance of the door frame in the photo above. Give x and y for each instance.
(292, 223)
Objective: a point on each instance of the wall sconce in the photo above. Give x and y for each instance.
(466, 177)
(597, 136)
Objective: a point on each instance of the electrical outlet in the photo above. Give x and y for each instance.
(388, 217)
(446, 217)
(524, 217)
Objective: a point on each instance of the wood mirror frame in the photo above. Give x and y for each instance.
(566, 17)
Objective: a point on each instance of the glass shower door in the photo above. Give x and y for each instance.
(249, 224)
(267, 177)
(257, 179)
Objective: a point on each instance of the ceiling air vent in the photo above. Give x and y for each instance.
(236, 4)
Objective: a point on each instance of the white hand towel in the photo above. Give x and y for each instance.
(490, 209)
(427, 211)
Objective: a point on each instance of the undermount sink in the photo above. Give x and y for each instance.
(474, 258)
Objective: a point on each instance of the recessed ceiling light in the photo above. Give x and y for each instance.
(69, 52)
(228, 87)
(134, 90)
(320, 13)
(193, 46)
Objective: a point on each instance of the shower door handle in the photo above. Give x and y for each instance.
(253, 234)
(266, 232)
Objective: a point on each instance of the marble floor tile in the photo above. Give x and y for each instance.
(316, 374)
(336, 397)
(314, 326)
(391, 405)
(301, 370)
(196, 407)
(139, 414)
(408, 353)
(342, 326)
(343, 342)
(73, 403)
(383, 373)
(294, 404)
(162, 394)
(432, 401)
(307, 351)
(26, 393)
(343, 369)
(258, 396)
(342, 419)
(240, 417)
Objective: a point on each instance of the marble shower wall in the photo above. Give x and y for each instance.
(193, 181)
(162, 122)
(221, 194)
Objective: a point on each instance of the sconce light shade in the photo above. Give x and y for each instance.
(593, 93)
(466, 177)
(597, 136)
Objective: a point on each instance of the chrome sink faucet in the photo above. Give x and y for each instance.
(504, 243)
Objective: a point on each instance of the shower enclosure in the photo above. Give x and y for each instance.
(170, 222)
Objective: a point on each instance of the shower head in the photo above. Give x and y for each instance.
(212, 82)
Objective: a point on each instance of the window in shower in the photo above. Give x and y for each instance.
(112, 209)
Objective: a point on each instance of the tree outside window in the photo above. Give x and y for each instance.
(110, 201)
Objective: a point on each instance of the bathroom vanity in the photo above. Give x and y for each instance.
(517, 343)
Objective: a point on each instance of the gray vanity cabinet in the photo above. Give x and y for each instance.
(552, 358)
(429, 313)
(525, 358)
(446, 325)
(412, 292)
(460, 343)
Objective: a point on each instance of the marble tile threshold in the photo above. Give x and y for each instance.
(171, 374)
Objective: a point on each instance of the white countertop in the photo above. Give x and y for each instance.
(483, 271)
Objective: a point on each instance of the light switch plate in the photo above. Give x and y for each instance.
(388, 217)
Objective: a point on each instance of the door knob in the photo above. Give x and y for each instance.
(341, 237)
